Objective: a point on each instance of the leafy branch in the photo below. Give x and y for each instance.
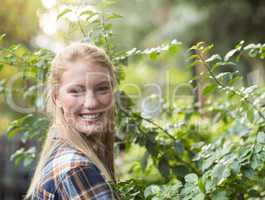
(202, 55)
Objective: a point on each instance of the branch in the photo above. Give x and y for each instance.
(235, 92)
(154, 124)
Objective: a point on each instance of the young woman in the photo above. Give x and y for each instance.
(76, 161)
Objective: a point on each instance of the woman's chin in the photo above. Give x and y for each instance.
(91, 126)
(90, 129)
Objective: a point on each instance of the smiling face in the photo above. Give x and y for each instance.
(86, 96)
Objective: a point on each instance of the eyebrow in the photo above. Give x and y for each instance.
(77, 85)
(104, 82)
(100, 83)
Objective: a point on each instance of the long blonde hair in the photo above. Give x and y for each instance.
(103, 158)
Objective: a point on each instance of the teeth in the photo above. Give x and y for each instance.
(90, 116)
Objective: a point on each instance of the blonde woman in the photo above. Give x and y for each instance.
(76, 161)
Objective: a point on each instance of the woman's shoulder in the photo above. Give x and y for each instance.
(69, 171)
(79, 182)
(63, 159)
(65, 154)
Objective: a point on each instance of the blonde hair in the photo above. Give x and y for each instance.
(103, 158)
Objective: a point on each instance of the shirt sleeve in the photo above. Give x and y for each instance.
(84, 183)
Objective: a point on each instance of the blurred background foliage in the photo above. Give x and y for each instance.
(19, 20)
(140, 24)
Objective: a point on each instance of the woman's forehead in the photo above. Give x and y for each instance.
(84, 72)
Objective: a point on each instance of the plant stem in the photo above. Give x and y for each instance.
(235, 92)
(153, 123)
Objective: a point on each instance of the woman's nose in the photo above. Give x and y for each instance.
(90, 100)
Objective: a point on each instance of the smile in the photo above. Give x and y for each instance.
(90, 116)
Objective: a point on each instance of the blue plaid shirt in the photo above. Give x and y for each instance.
(70, 175)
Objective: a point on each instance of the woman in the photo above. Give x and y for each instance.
(77, 157)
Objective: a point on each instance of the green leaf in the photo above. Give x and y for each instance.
(199, 196)
(151, 146)
(255, 162)
(245, 154)
(251, 46)
(108, 27)
(220, 195)
(144, 161)
(174, 48)
(151, 191)
(193, 57)
(197, 62)
(153, 55)
(164, 168)
(207, 49)
(235, 167)
(250, 89)
(197, 46)
(253, 53)
(25, 156)
(230, 54)
(2, 36)
(213, 58)
(261, 138)
(221, 172)
(258, 148)
(209, 89)
(181, 170)
(13, 129)
(1, 66)
(18, 153)
(64, 12)
(179, 147)
(225, 77)
(88, 12)
(208, 162)
(191, 178)
(254, 193)
(250, 115)
(240, 44)
(114, 16)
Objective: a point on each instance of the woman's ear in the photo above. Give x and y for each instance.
(55, 99)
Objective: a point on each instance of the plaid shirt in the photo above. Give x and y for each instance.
(69, 175)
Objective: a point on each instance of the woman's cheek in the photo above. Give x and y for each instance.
(72, 103)
(106, 100)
